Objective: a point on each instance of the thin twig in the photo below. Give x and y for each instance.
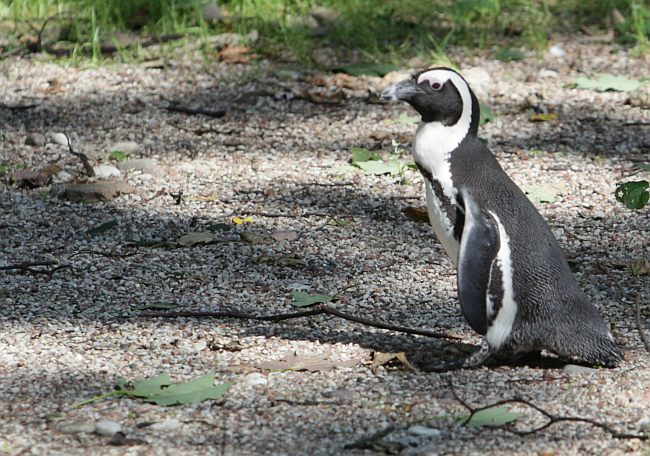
(319, 309)
(18, 107)
(193, 111)
(105, 254)
(29, 267)
(639, 322)
(81, 156)
(552, 419)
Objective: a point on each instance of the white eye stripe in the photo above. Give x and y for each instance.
(435, 78)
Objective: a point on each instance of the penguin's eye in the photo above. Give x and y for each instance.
(436, 86)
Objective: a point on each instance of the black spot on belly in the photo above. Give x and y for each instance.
(447, 206)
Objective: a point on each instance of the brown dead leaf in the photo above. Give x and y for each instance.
(28, 178)
(347, 81)
(381, 359)
(236, 53)
(311, 363)
(240, 369)
(417, 214)
(322, 97)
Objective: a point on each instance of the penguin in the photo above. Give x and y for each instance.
(515, 286)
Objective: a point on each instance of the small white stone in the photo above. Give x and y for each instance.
(128, 147)
(547, 74)
(167, 425)
(573, 369)
(186, 168)
(255, 378)
(105, 171)
(106, 427)
(77, 427)
(556, 51)
(59, 138)
(424, 431)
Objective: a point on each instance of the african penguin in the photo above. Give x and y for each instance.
(514, 284)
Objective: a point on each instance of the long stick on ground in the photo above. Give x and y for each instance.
(320, 309)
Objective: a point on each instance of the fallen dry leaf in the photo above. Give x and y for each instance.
(311, 363)
(381, 359)
(417, 214)
(28, 178)
(236, 53)
(320, 97)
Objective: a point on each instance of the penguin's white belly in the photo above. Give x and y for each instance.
(441, 224)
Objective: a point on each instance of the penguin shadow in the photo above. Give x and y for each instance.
(427, 355)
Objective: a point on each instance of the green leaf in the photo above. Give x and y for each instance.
(541, 193)
(643, 166)
(3, 169)
(486, 114)
(634, 195)
(379, 167)
(360, 154)
(367, 69)
(101, 228)
(197, 390)
(604, 82)
(508, 54)
(403, 118)
(493, 416)
(150, 386)
(120, 383)
(301, 299)
(117, 155)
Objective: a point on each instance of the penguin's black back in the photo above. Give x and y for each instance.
(552, 311)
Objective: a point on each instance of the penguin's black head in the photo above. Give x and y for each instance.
(438, 95)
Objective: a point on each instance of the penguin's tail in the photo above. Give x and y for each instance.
(588, 341)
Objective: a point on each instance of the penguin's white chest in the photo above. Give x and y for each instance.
(432, 150)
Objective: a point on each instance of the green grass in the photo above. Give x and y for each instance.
(379, 30)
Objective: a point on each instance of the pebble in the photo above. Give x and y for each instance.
(146, 165)
(167, 425)
(106, 427)
(573, 369)
(59, 138)
(280, 236)
(339, 394)
(548, 74)
(424, 431)
(128, 147)
(35, 140)
(556, 51)
(77, 427)
(255, 378)
(106, 171)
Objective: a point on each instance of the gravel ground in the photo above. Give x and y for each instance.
(279, 159)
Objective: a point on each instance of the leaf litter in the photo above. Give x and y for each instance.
(310, 363)
(160, 390)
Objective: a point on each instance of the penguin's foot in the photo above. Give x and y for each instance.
(476, 359)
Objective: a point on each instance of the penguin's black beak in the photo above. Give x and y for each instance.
(403, 90)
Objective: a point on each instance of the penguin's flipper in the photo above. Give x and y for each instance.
(479, 246)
